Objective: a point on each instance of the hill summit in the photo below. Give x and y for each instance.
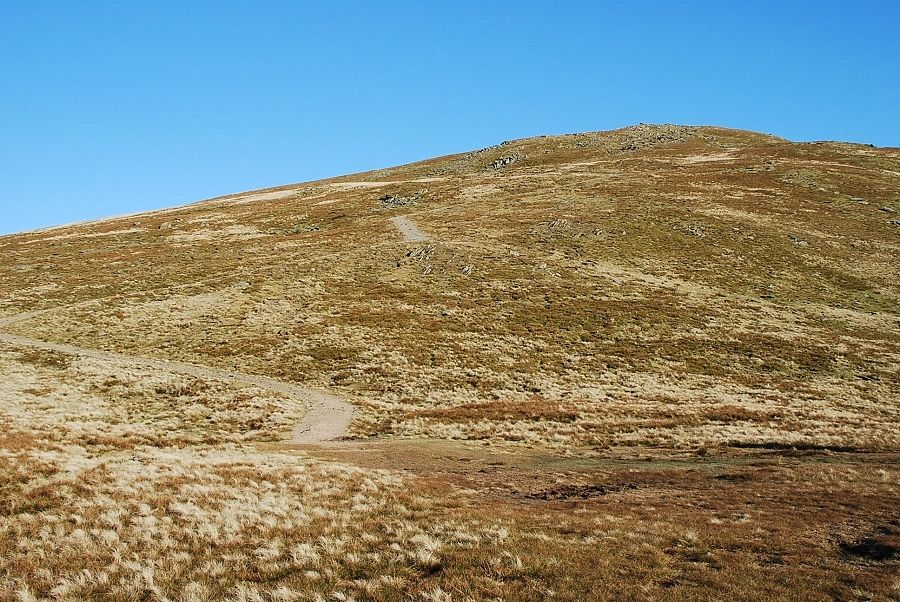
(659, 362)
(656, 272)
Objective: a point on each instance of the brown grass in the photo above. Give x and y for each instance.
(655, 363)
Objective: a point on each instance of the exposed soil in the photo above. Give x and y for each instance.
(408, 229)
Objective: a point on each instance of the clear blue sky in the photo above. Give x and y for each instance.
(115, 107)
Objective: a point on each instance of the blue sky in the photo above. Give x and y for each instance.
(115, 107)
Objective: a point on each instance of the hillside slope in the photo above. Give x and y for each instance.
(662, 285)
(692, 319)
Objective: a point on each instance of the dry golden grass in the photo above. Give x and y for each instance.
(47, 390)
(729, 267)
(199, 524)
(656, 363)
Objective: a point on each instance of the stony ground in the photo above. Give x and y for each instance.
(656, 363)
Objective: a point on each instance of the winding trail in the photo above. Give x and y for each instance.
(327, 416)
(408, 229)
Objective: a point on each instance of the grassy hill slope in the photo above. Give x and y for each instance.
(681, 341)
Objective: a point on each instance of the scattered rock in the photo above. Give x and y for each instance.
(562, 228)
(422, 253)
(798, 241)
(503, 161)
(643, 135)
(695, 231)
(481, 151)
(390, 201)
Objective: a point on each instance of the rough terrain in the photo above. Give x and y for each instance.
(661, 362)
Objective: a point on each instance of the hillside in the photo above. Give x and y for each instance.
(656, 362)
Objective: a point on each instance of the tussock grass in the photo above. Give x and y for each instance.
(209, 524)
(655, 292)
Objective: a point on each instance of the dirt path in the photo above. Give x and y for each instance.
(327, 416)
(408, 229)
(22, 317)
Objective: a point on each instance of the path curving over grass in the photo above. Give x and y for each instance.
(327, 416)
